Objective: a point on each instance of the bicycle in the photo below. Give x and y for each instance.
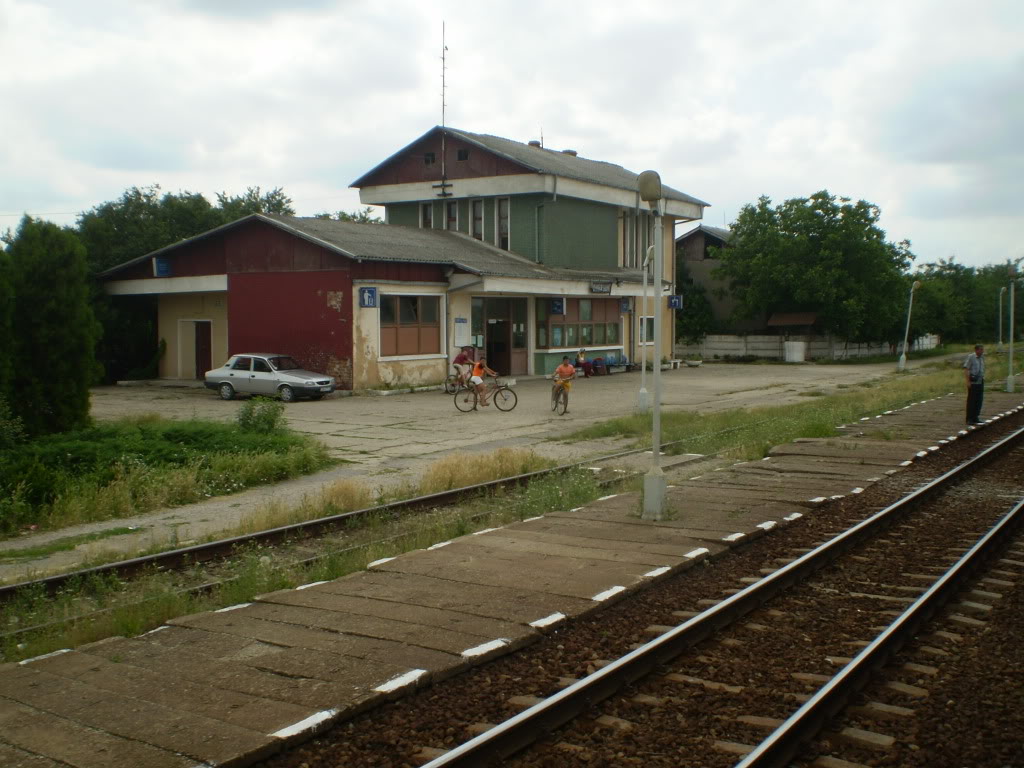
(455, 383)
(503, 397)
(560, 396)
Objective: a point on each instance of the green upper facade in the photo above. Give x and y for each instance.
(552, 207)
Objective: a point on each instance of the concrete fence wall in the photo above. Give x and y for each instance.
(723, 345)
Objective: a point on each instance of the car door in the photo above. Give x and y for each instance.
(239, 374)
(263, 378)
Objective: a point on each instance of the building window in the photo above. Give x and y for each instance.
(646, 330)
(477, 208)
(429, 158)
(462, 154)
(503, 209)
(426, 215)
(452, 216)
(410, 325)
(586, 322)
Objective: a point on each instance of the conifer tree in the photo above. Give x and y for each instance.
(53, 328)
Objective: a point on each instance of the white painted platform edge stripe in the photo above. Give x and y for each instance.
(576, 509)
(865, 418)
(794, 516)
(479, 650)
(933, 447)
(438, 545)
(379, 562)
(837, 496)
(600, 597)
(304, 725)
(605, 498)
(906, 463)
(694, 553)
(158, 629)
(943, 442)
(547, 621)
(595, 469)
(311, 584)
(733, 537)
(232, 607)
(44, 656)
(920, 454)
(656, 572)
(767, 525)
(817, 500)
(407, 678)
(962, 432)
(857, 490)
(874, 479)
(485, 530)
(531, 519)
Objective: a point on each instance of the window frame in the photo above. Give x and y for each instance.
(426, 215)
(644, 322)
(474, 220)
(438, 323)
(498, 218)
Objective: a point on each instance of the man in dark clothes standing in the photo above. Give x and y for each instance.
(974, 375)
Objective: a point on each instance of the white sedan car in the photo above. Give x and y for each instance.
(268, 375)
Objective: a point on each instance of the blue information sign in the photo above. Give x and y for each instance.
(368, 297)
(161, 268)
(625, 305)
(675, 302)
(558, 306)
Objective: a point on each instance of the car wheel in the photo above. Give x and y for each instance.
(226, 391)
(287, 394)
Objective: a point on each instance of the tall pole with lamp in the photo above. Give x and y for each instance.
(906, 334)
(649, 183)
(1001, 292)
(642, 402)
(1009, 367)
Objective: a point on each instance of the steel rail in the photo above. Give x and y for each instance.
(803, 725)
(523, 729)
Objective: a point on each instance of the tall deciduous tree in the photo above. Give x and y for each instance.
(6, 327)
(818, 254)
(253, 200)
(54, 329)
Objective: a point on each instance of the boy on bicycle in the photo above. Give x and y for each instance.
(462, 364)
(563, 375)
(480, 370)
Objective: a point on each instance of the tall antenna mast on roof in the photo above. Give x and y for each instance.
(443, 186)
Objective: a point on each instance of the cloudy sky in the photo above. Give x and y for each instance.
(914, 105)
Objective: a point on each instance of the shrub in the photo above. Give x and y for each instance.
(12, 431)
(262, 415)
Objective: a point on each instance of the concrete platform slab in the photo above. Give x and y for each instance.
(199, 738)
(30, 733)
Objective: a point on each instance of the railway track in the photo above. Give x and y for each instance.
(768, 653)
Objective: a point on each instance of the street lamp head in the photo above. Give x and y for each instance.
(1002, 290)
(649, 183)
(916, 285)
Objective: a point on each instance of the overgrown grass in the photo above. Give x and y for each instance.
(108, 607)
(124, 468)
(750, 433)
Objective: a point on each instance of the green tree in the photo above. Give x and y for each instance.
(819, 254)
(695, 320)
(54, 329)
(361, 216)
(6, 320)
(253, 200)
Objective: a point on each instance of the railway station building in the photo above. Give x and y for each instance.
(525, 252)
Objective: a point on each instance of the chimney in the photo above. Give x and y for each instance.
(569, 152)
(534, 143)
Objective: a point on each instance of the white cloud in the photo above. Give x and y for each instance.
(914, 106)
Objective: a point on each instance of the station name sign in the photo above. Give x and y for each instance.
(600, 286)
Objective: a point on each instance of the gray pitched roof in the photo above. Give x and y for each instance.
(549, 161)
(383, 242)
(722, 234)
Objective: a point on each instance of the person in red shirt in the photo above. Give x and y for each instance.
(463, 363)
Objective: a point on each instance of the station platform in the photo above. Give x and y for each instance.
(230, 687)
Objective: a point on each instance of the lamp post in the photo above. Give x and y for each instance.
(1009, 362)
(642, 403)
(906, 334)
(1001, 292)
(649, 183)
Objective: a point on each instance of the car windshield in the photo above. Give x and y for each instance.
(284, 364)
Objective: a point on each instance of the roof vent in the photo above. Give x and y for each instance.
(569, 152)
(534, 143)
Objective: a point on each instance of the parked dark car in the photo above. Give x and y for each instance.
(268, 375)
